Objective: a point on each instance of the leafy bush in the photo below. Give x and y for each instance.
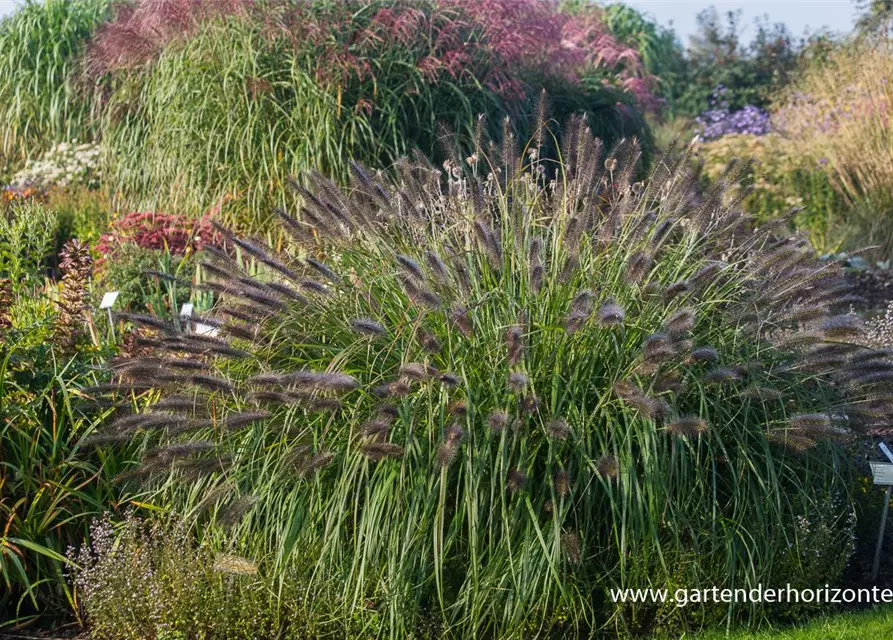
(750, 72)
(146, 579)
(779, 180)
(477, 400)
(27, 237)
(133, 274)
(42, 95)
(49, 486)
(160, 231)
(837, 115)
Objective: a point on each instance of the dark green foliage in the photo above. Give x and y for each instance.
(748, 71)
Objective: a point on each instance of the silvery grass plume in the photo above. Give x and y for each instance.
(477, 357)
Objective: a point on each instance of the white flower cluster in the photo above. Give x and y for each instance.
(64, 165)
(879, 330)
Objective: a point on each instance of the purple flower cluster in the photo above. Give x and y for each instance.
(716, 123)
(719, 120)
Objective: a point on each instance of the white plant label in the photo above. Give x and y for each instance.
(108, 300)
(186, 310)
(882, 472)
(205, 330)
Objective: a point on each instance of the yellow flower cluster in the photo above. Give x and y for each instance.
(772, 162)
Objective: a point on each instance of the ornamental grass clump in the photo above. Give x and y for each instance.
(210, 101)
(504, 394)
(43, 96)
(837, 116)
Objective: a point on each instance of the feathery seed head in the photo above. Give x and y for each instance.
(415, 370)
(515, 481)
(638, 267)
(411, 266)
(462, 318)
(607, 467)
(562, 484)
(688, 427)
(518, 381)
(681, 322)
(721, 375)
(367, 327)
(530, 403)
(704, 354)
(514, 341)
(498, 420)
(428, 341)
(611, 314)
(558, 429)
(377, 451)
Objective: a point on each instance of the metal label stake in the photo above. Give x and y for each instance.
(108, 300)
(883, 475)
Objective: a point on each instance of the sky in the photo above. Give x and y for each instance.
(798, 15)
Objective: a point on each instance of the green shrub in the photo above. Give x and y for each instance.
(748, 72)
(779, 180)
(146, 579)
(130, 273)
(501, 395)
(28, 234)
(50, 486)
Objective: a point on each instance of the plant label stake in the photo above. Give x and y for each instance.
(883, 475)
(186, 313)
(108, 300)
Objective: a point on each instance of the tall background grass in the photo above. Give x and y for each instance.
(837, 117)
(43, 94)
(213, 104)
